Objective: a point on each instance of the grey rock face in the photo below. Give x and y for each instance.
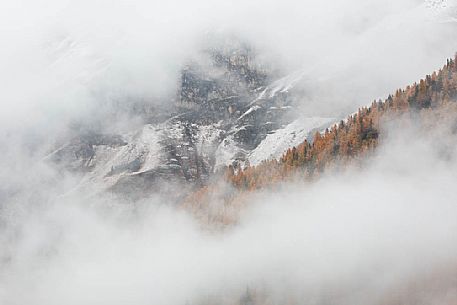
(226, 105)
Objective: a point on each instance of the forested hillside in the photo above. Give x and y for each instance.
(355, 136)
(341, 145)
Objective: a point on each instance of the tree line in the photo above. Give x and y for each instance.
(354, 137)
(334, 148)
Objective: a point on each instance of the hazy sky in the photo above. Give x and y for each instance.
(61, 59)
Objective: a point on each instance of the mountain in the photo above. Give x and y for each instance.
(426, 105)
(360, 133)
(229, 109)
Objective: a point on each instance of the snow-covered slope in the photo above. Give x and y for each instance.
(272, 101)
(229, 151)
(141, 153)
(274, 144)
(293, 134)
(282, 85)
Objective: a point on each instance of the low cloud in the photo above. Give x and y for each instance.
(377, 235)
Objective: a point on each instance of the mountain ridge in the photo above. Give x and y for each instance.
(344, 144)
(226, 106)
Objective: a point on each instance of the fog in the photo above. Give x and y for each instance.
(383, 234)
(374, 235)
(64, 60)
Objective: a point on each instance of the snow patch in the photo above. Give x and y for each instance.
(283, 84)
(252, 109)
(275, 144)
(227, 151)
(207, 139)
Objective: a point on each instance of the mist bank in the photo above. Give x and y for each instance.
(377, 235)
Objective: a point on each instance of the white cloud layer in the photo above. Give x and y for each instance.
(375, 236)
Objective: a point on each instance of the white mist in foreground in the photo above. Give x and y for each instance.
(384, 234)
